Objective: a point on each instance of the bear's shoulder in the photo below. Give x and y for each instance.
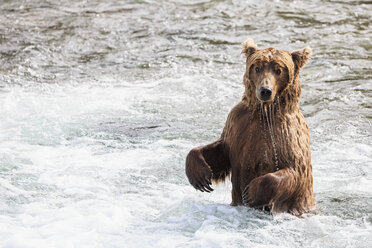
(239, 119)
(239, 111)
(242, 113)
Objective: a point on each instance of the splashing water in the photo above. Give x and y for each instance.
(100, 102)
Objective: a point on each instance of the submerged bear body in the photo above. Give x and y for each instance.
(265, 143)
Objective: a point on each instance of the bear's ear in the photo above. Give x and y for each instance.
(249, 47)
(300, 57)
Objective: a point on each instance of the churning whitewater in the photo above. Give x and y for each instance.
(100, 101)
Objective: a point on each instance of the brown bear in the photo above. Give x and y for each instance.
(265, 144)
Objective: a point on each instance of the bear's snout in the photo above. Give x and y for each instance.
(265, 93)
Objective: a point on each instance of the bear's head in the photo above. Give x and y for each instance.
(272, 74)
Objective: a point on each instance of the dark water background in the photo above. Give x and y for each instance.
(100, 101)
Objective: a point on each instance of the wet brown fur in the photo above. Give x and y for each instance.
(245, 150)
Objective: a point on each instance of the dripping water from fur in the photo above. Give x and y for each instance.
(271, 124)
(279, 106)
(262, 121)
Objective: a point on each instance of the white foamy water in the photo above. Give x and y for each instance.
(100, 103)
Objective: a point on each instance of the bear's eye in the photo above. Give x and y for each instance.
(258, 69)
(278, 71)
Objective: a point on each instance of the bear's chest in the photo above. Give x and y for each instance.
(258, 147)
(255, 149)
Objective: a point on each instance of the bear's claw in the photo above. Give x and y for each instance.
(203, 186)
(245, 199)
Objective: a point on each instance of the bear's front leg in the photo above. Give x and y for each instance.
(206, 163)
(267, 189)
(261, 191)
(198, 171)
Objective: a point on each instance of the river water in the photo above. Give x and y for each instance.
(100, 102)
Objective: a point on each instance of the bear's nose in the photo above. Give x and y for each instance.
(265, 93)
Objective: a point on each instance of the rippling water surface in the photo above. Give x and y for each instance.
(100, 101)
